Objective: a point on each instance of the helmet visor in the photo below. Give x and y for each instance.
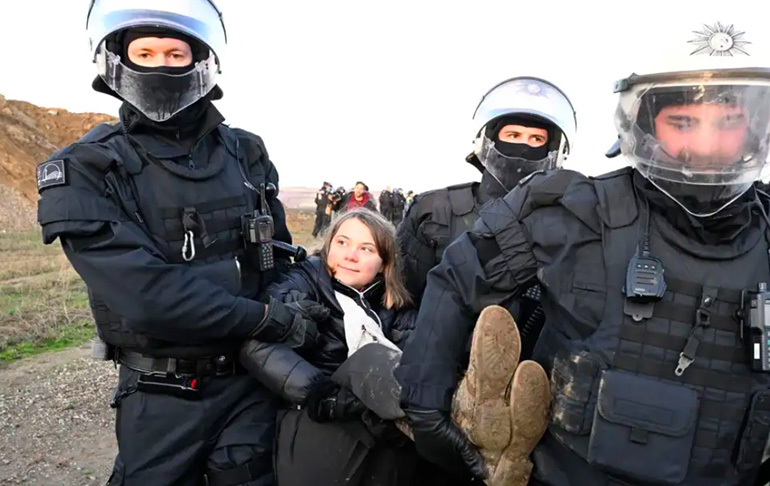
(159, 96)
(704, 132)
(507, 170)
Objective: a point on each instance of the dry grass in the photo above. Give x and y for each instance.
(43, 302)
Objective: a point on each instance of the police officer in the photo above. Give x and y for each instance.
(522, 125)
(322, 209)
(168, 217)
(653, 279)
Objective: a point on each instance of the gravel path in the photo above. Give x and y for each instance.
(56, 426)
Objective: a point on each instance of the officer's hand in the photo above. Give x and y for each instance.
(329, 402)
(310, 309)
(440, 441)
(288, 325)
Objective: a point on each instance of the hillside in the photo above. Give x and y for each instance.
(29, 134)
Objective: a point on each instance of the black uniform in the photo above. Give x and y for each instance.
(128, 203)
(399, 202)
(386, 204)
(322, 211)
(621, 415)
(434, 220)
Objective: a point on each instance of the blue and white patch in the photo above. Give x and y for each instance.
(51, 173)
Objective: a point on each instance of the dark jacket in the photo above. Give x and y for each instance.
(292, 376)
(386, 202)
(322, 200)
(350, 202)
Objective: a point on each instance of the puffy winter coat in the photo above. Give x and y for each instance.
(292, 375)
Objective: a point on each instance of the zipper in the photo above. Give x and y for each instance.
(361, 301)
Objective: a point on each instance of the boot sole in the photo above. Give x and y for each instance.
(530, 403)
(496, 348)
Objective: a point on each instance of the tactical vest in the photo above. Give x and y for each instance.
(618, 404)
(193, 217)
(454, 211)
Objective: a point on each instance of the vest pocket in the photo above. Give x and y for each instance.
(643, 428)
(755, 434)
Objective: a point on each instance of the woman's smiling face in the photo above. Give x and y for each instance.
(353, 257)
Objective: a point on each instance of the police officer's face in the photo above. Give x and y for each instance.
(353, 257)
(534, 137)
(706, 135)
(157, 52)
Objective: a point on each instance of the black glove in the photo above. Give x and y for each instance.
(286, 324)
(440, 441)
(311, 309)
(329, 402)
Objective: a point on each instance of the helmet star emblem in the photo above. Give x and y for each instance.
(719, 40)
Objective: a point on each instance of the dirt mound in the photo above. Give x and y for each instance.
(28, 135)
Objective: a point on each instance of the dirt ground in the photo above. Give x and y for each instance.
(56, 425)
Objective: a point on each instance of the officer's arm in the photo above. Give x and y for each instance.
(486, 266)
(417, 254)
(117, 259)
(281, 369)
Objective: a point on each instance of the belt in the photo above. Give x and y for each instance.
(223, 365)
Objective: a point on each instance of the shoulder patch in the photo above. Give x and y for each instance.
(51, 173)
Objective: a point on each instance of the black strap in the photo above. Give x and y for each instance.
(219, 247)
(729, 296)
(238, 475)
(205, 207)
(175, 230)
(222, 365)
(695, 376)
(684, 313)
(638, 334)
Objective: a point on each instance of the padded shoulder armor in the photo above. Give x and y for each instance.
(461, 198)
(100, 133)
(615, 194)
(252, 147)
(571, 190)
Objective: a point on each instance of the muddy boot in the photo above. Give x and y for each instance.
(480, 404)
(530, 402)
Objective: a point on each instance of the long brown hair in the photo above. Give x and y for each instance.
(384, 234)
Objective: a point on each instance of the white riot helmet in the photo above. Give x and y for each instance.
(159, 94)
(696, 123)
(536, 102)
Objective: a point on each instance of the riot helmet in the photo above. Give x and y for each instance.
(523, 125)
(696, 121)
(157, 92)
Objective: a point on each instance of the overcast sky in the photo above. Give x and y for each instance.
(378, 91)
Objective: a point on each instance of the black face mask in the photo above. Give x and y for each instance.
(520, 150)
(719, 228)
